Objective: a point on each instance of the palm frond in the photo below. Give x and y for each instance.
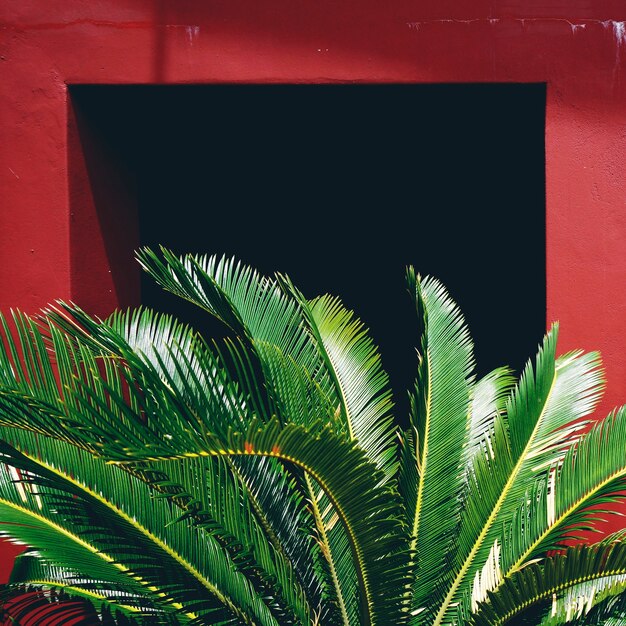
(219, 503)
(171, 350)
(280, 501)
(302, 381)
(440, 419)
(574, 495)
(290, 389)
(544, 417)
(27, 516)
(576, 604)
(31, 570)
(30, 605)
(368, 510)
(533, 588)
(185, 570)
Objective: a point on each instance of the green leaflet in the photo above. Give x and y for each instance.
(223, 508)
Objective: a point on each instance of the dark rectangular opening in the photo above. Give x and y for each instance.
(342, 186)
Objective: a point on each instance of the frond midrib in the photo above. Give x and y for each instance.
(424, 459)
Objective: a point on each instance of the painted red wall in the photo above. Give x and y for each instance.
(51, 231)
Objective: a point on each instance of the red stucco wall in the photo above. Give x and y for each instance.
(50, 235)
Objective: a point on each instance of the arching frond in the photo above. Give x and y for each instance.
(252, 305)
(28, 516)
(533, 589)
(222, 506)
(576, 604)
(368, 511)
(186, 570)
(30, 605)
(170, 351)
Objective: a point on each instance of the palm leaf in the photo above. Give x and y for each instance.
(531, 589)
(544, 416)
(439, 417)
(194, 576)
(254, 306)
(31, 605)
(576, 604)
(220, 504)
(566, 503)
(291, 393)
(173, 352)
(246, 302)
(368, 510)
(29, 517)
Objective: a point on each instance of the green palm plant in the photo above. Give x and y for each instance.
(162, 478)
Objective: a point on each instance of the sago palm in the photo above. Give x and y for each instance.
(158, 477)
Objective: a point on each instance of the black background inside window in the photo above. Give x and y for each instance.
(342, 186)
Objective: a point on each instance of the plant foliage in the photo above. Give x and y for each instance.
(161, 477)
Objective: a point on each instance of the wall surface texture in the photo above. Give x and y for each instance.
(51, 235)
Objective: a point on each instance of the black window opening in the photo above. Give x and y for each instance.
(341, 187)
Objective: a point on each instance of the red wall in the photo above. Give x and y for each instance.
(50, 230)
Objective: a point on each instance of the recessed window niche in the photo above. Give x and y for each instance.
(339, 186)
